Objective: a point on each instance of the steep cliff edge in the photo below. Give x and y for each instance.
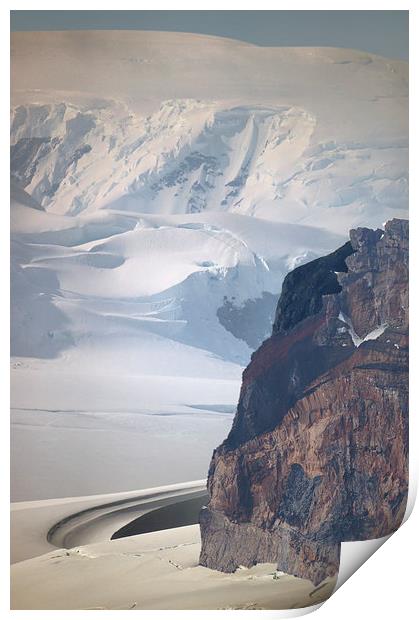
(317, 453)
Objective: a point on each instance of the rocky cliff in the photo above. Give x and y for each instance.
(317, 453)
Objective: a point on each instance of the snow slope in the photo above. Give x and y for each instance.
(152, 225)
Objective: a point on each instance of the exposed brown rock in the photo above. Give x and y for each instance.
(317, 453)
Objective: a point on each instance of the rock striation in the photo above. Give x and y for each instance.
(318, 450)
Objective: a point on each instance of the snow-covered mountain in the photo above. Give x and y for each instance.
(162, 186)
(183, 123)
(192, 156)
(189, 156)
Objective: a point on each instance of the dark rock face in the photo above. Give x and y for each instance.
(317, 453)
(305, 286)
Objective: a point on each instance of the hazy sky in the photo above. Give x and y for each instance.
(380, 32)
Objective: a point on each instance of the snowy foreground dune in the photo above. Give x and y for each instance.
(157, 570)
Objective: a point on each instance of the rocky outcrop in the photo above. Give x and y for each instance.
(317, 453)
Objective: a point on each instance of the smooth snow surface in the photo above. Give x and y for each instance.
(196, 176)
(158, 570)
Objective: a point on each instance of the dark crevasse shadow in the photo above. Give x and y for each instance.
(168, 517)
